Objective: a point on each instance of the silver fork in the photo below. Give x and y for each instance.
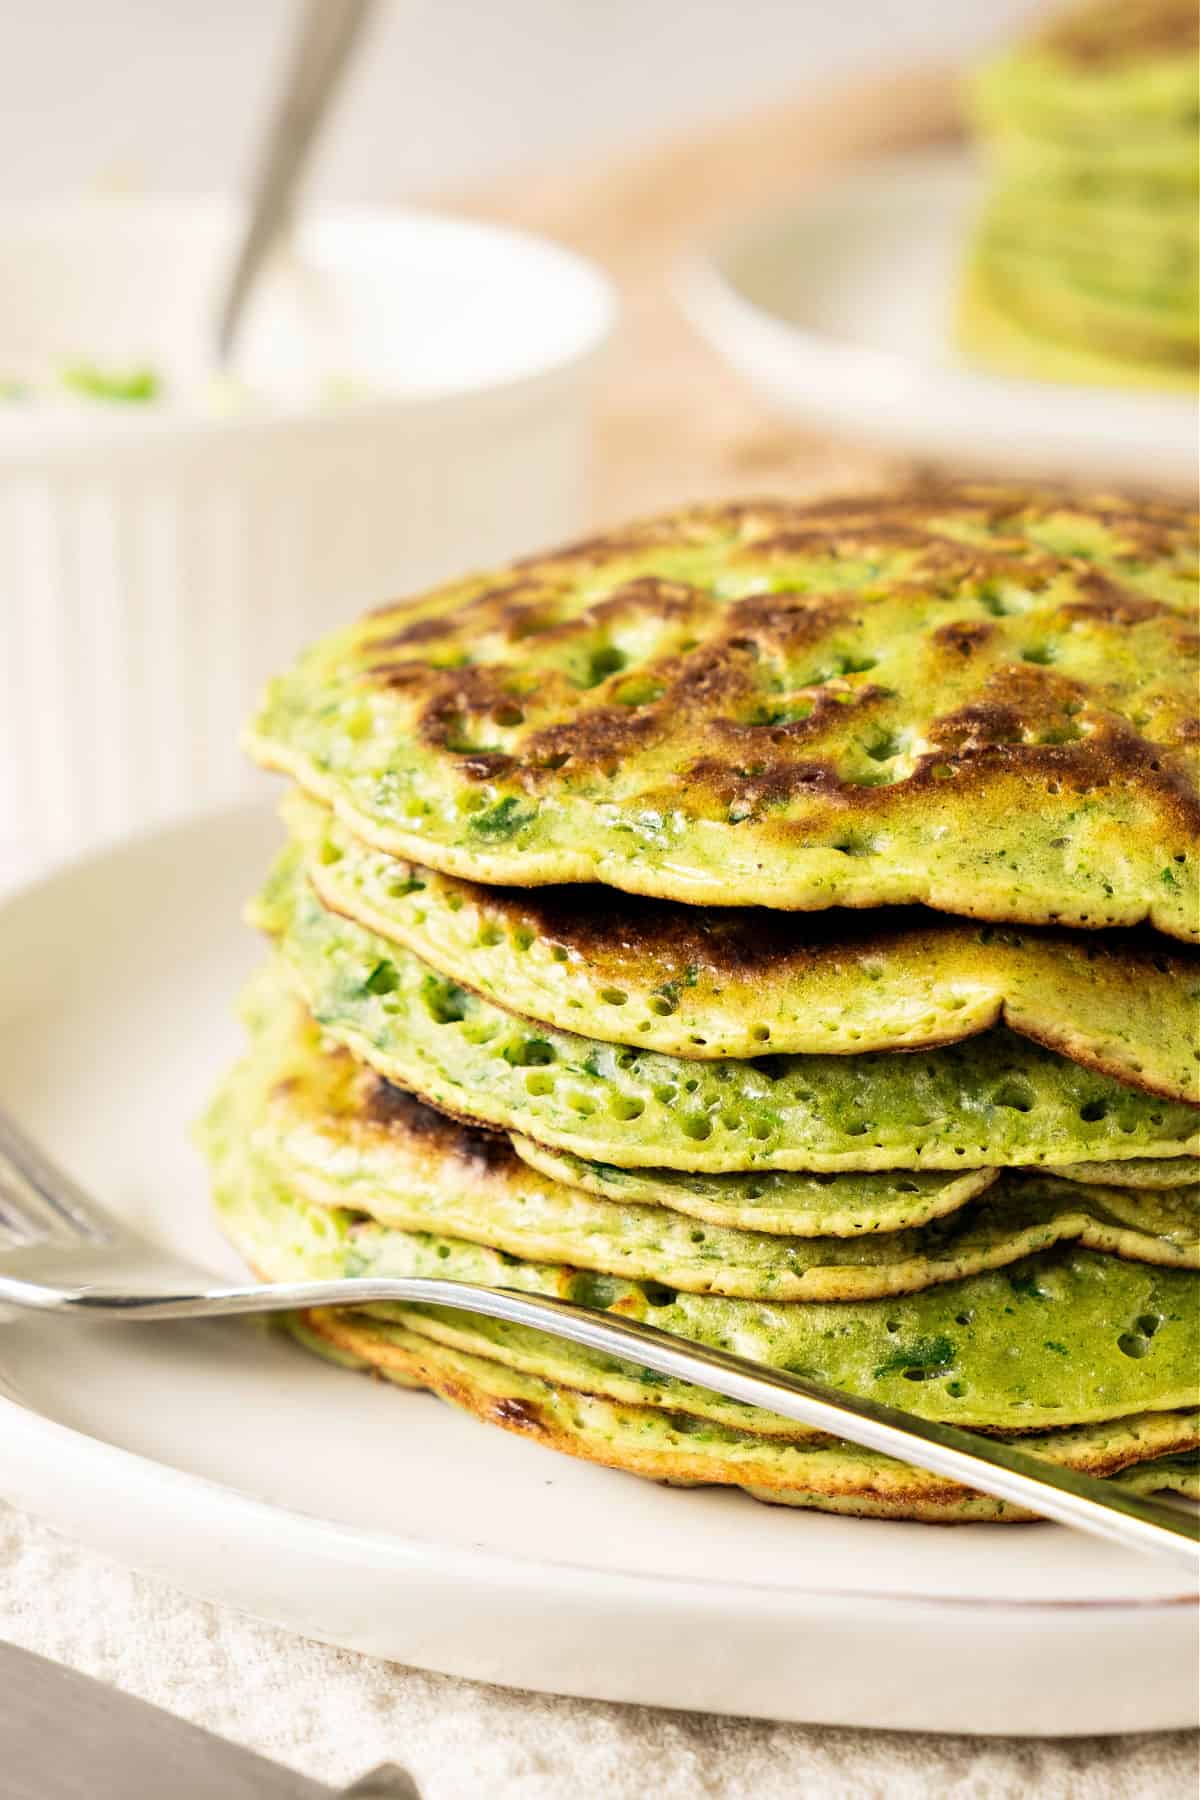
(65, 1257)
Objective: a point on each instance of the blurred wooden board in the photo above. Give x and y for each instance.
(674, 423)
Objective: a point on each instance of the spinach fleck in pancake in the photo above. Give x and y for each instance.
(982, 700)
(1150, 1454)
(734, 982)
(1064, 1337)
(995, 1100)
(333, 1134)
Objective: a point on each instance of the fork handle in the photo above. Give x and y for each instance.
(992, 1465)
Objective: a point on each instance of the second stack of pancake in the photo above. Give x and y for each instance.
(1084, 263)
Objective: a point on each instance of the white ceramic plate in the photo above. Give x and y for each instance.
(839, 311)
(236, 1466)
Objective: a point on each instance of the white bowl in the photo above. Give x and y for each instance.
(839, 312)
(158, 560)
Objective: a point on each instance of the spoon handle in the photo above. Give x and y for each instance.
(327, 35)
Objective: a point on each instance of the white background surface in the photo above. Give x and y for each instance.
(334, 1715)
(168, 93)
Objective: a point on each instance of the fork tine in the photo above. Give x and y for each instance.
(38, 1199)
(24, 1214)
(17, 1225)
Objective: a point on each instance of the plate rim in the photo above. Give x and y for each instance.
(839, 373)
(52, 1440)
(509, 1567)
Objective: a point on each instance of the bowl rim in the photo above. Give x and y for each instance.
(31, 435)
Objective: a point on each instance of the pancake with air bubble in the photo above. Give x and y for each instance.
(799, 1203)
(1067, 1336)
(333, 1134)
(983, 700)
(994, 1101)
(786, 1202)
(720, 983)
(1150, 1172)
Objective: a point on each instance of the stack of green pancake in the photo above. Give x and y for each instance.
(1084, 263)
(773, 922)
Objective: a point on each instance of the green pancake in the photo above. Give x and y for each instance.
(1148, 1454)
(1084, 263)
(795, 1203)
(1108, 84)
(990, 331)
(783, 1202)
(1153, 1172)
(1134, 230)
(1066, 310)
(1060, 1338)
(1136, 313)
(996, 1100)
(720, 983)
(982, 700)
(1140, 256)
(340, 1138)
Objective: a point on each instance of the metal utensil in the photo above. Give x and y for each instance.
(327, 34)
(67, 1737)
(66, 1258)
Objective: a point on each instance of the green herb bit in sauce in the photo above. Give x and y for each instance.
(136, 385)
